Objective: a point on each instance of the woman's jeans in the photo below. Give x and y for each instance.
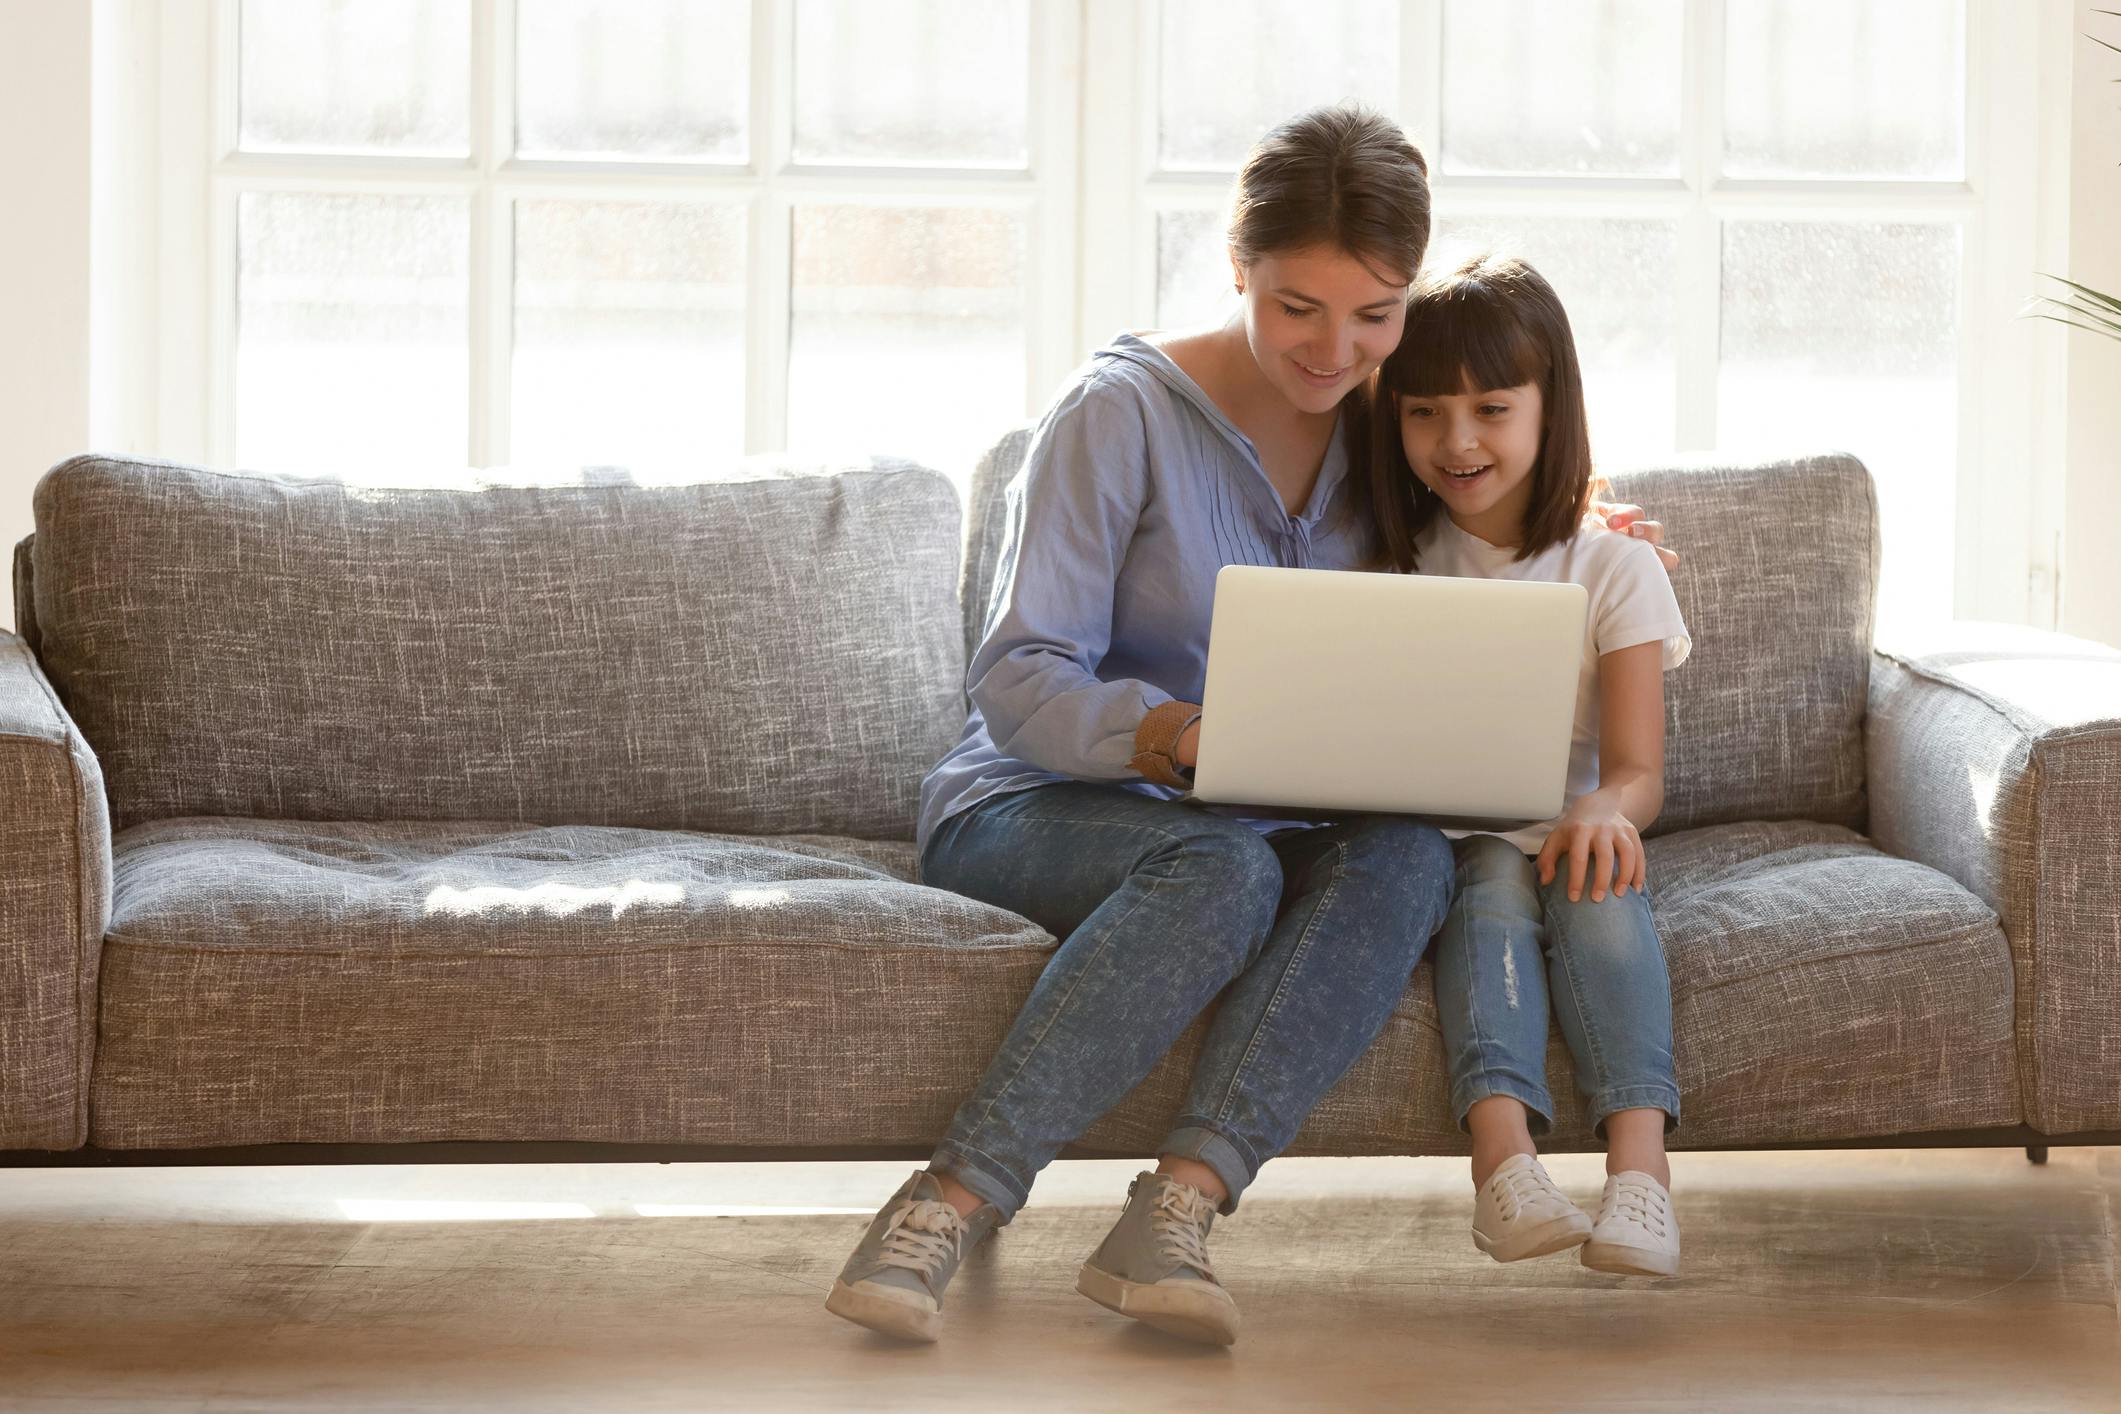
(1160, 906)
(1609, 987)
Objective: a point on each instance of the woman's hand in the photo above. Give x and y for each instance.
(1628, 520)
(1187, 750)
(1600, 842)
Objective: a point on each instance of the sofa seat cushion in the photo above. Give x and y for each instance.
(1821, 990)
(271, 981)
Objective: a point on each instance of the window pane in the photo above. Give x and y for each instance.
(650, 78)
(1616, 279)
(1194, 283)
(1234, 68)
(1561, 86)
(1844, 88)
(351, 330)
(908, 333)
(1844, 336)
(355, 76)
(629, 333)
(912, 82)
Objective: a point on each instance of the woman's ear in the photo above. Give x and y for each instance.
(1237, 270)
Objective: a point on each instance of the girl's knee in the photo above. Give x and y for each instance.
(1491, 859)
(1615, 923)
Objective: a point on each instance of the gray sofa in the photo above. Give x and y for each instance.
(574, 815)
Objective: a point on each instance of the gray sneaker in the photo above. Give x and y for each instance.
(894, 1281)
(1153, 1265)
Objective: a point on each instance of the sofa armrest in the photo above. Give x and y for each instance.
(55, 883)
(1994, 755)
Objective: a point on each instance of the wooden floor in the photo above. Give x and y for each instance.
(1883, 1280)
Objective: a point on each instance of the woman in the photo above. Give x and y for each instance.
(1165, 458)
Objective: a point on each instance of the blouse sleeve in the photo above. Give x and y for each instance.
(1071, 513)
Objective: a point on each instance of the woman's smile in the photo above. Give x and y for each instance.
(1320, 377)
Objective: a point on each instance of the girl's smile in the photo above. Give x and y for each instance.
(1476, 451)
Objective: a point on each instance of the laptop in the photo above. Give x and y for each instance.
(1336, 690)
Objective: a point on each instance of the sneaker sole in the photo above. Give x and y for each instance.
(1554, 1235)
(898, 1319)
(1629, 1261)
(1191, 1310)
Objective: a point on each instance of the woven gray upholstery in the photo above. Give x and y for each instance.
(1820, 990)
(1996, 757)
(533, 809)
(270, 982)
(673, 655)
(54, 903)
(25, 599)
(267, 981)
(1765, 721)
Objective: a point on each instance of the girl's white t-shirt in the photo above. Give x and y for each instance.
(1631, 603)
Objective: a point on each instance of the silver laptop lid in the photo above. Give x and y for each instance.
(1407, 694)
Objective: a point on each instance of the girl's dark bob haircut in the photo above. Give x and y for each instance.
(1490, 322)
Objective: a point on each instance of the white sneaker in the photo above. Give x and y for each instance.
(1636, 1234)
(1520, 1213)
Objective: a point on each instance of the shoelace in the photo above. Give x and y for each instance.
(1640, 1204)
(921, 1236)
(1180, 1225)
(1516, 1189)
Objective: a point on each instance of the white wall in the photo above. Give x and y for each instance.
(77, 250)
(2091, 521)
(45, 318)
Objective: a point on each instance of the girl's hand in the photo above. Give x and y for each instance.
(1628, 520)
(1186, 751)
(1600, 842)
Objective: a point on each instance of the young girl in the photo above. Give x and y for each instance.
(1483, 468)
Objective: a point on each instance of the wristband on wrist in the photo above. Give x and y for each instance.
(1156, 743)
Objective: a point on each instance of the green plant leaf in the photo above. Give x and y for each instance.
(2103, 333)
(2087, 292)
(2072, 316)
(2093, 312)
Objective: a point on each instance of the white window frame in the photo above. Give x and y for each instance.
(205, 173)
(1091, 192)
(2007, 483)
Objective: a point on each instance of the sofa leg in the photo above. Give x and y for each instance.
(2037, 1153)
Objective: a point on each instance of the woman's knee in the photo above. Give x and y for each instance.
(1396, 853)
(1236, 869)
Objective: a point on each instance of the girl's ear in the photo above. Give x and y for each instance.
(1237, 270)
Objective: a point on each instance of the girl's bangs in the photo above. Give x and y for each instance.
(1458, 340)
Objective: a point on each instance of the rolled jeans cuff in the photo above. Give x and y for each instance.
(1211, 1147)
(1539, 1105)
(1635, 1097)
(987, 1185)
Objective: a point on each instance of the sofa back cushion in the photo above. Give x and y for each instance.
(773, 655)
(1765, 719)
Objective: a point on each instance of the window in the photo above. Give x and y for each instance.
(440, 231)
(667, 231)
(1755, 211)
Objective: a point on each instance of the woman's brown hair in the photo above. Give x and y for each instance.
(1345, 178)
(1490, 322)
